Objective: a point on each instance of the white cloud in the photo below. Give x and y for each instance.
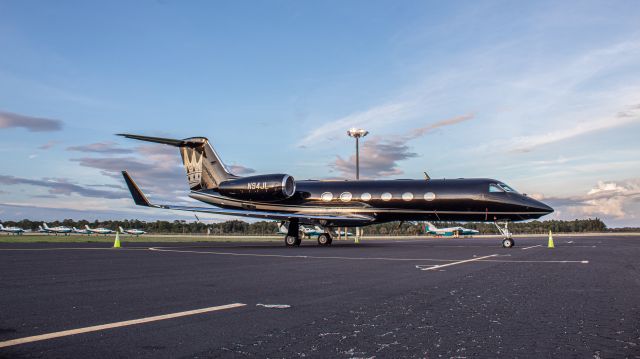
(370, 118)
(528, 143)
(379, 156)
(48, 145)
(617, 201)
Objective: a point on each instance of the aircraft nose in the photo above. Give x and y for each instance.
(539, 206)
(546, 208)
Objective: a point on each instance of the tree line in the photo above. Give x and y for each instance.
(237, 227)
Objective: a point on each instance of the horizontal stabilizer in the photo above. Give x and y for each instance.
(205, 169)
(166, 141)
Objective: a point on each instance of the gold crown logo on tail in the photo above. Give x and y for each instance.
(192, 160)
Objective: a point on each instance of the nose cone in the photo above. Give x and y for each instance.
(539, 206)
(546, 208)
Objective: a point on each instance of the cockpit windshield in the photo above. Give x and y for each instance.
(507, 188)
(495, 188)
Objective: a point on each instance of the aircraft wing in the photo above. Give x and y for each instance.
(141, 200)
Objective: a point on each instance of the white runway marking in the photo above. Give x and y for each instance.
(454, 263)
(274, 306)
(302, 257)
(525, 261)
(426, 267)
(96, 328)
(539, 245)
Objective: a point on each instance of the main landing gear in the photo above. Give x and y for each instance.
(325, 239)
(292, 239)
(507, 242)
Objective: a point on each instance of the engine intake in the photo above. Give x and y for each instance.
(270, 187)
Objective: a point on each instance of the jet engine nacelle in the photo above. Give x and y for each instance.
(270, 187)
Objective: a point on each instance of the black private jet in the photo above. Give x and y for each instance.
(331, 204)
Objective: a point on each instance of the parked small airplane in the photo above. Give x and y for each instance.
(342, 233)
(311, 231)
(448, 232)
(306, 231)
(104, 231)
(133, 231)
(333, 204)
(57, 230)
(80, 231)
(11, 230)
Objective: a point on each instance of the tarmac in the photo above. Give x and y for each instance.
(424, 298)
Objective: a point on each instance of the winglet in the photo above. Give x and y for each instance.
(138, 197)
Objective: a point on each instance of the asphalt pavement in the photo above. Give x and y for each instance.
(403, 298)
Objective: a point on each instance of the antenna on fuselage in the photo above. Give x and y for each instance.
(426, 176)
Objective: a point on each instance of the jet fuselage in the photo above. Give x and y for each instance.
(398, 200)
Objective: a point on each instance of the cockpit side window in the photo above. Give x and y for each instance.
(507, 188)
(495, 188)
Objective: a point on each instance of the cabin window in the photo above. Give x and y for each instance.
(386, 196)
(429, 196)
(495, 188)
(407, 196)
(365, 196)
(346, 196)
(327, 196)
(506, 188)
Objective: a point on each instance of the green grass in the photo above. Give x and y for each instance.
(39, 238)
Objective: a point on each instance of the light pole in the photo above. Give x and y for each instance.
(357, 133)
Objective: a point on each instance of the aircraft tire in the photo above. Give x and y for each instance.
(507, 243)
(324, 239)
(291, 241)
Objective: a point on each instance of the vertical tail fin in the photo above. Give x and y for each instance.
(1, 226)
(121, 230)
(431, 227)
(44, 225)
(87, 227)
(205, 169)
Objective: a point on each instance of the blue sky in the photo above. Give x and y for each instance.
(542, 95)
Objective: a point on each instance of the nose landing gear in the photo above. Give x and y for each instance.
(507, 242)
